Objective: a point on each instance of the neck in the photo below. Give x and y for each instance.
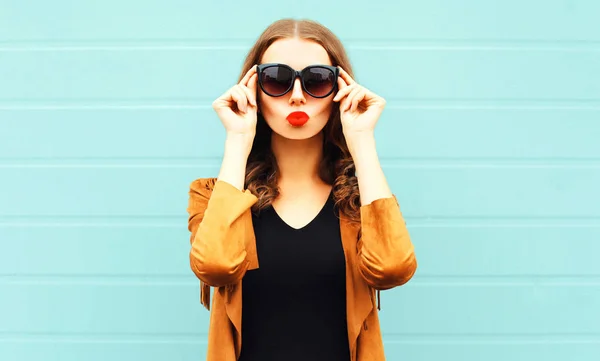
(298, 160)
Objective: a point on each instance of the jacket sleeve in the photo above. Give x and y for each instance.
(218, 216)
(386, 253)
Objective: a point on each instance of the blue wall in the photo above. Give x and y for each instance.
(489, 141)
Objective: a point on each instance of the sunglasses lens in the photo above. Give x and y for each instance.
(319, 81)
(276, 80)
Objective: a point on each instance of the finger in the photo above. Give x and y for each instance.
(248, 75)
(350, 98)
(360, 95)
(374, 99)
(243, 102)
(225, 100)
(345, 103)
(252, 87)
(347, 78)
(249, 95)
(340, 85)
(240, 98)
(344, 89)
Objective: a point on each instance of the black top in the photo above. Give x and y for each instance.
(294, 304)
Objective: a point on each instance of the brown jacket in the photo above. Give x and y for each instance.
(223, 248)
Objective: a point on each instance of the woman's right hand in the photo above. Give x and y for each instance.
(237, 106)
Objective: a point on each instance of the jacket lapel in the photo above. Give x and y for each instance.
(358, 299)
(233, 294)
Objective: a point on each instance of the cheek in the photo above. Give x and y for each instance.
(321, 111)
(326, 107)
(267, 104)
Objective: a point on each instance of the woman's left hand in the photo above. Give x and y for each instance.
(359, 107)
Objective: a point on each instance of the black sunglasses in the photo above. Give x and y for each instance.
(276, 80)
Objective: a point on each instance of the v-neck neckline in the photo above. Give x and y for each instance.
(312, 221)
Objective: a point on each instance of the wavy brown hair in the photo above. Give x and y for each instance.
(337, 167)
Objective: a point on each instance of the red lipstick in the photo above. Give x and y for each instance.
(297, 119)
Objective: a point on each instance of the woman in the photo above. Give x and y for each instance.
(283, 233)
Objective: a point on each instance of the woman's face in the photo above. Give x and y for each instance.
(298, 54)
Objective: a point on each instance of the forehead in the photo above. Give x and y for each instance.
(297, 53)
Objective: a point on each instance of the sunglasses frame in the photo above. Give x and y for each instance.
(297, 73)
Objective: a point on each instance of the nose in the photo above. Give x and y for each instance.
(297, 96)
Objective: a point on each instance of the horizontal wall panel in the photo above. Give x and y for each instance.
(544, 250)
(484, 308)
(95, 349)
(153, 252)
(424, 191)
(108, 250)
(198, 133)
(101, 308)
(117, 75)
(204, 74)
(149, 349)
(517, 350)
(191, 20)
